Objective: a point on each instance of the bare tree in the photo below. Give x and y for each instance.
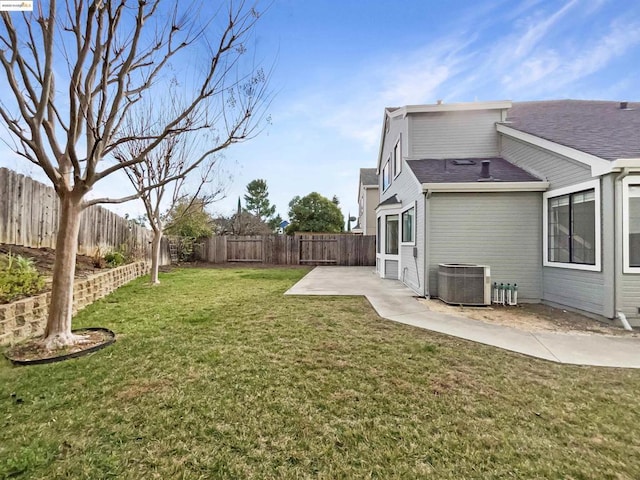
(68, 121)
(161, 177)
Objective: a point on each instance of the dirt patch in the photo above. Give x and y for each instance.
(531, 317)
(44, 257)
(142, 388)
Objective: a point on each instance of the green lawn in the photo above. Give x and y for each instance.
(216, 374)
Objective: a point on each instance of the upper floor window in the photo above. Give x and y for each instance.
(397, 158)
(386, 176)
(572, 227)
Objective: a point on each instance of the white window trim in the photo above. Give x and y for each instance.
(387, 164)
(632, 179)
(384, 220)
(399, 162)
(591, 184)
(415, 216)
(382, 213)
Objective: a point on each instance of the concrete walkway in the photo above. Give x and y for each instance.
(393, 301)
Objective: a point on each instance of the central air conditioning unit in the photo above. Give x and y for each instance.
(464, 284)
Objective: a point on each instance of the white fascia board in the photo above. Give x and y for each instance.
(451, 107)
(599, 166)
(382, 136)
(621, 163)
(486, 187)
(369, 187)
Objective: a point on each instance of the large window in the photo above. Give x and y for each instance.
(634, 226)
(391, 235)
(631, 224)
(386, 176)
(572, 228)
(408, 225)
(397, 159)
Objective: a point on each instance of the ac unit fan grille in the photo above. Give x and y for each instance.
(464, 284)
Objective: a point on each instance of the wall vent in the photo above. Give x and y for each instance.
(464, 284)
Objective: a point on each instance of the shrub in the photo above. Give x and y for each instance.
(18, 278)
(114, 259)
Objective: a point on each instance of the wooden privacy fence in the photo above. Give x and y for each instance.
(29, 217)
(300, 249)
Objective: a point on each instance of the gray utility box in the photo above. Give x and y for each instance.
(464, 284)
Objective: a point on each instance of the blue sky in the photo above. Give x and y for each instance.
(338, 64)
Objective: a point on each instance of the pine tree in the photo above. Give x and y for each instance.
(257, 200)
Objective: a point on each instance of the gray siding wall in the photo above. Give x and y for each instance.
(628, 284)
(409, 192)
(397, 126)
(409, 270)
(453, 134)
(559, 171)
(629, 297)
(575, 288)
(391, 269)
(584, 290)
(502, 230)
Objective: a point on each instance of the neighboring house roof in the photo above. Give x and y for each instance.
(600, 128)
(368, 177)
(467, 170)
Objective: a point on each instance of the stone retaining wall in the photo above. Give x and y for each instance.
(27, 317)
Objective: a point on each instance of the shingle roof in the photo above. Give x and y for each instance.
(600, 128)
(448, 171)
(368, 176)
(392, 200)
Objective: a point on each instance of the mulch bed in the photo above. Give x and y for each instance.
(31, 352)
(44, 257)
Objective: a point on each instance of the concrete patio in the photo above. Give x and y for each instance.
(393, 301)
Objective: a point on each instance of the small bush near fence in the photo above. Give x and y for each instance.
(18, 278)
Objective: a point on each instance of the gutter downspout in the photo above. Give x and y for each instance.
(425, 262)
(619, 315)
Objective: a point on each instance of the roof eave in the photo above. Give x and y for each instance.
(451, 107)
(462, 187)
(618, 165)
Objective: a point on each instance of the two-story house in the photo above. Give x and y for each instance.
(545, 193)
(368, 197)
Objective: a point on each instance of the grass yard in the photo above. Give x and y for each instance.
(216, 374)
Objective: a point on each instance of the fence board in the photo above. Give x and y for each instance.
(302, 249)
(29, 217)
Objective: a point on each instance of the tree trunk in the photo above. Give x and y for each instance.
(155, 255)
(58, 331)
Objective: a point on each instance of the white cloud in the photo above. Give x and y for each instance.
(536, 31)
(553, 69)
(616, 43)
